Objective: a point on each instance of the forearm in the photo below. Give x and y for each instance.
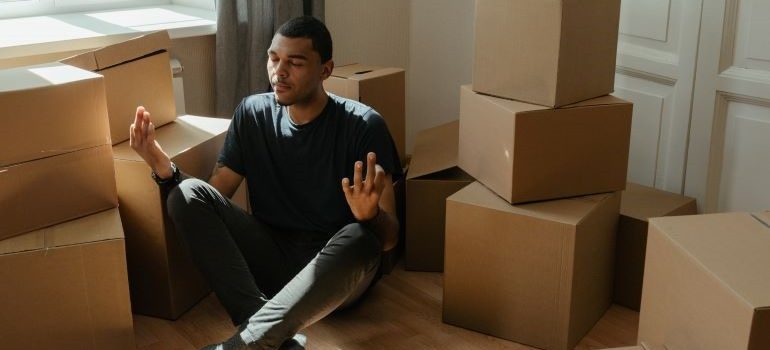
(385, 226)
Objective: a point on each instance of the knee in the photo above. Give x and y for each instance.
(362, 240)
(183, 195)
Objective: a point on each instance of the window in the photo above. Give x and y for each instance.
(25, 8)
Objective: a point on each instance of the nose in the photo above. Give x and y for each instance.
(280, 69)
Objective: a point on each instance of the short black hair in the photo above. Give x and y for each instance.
(313, 29)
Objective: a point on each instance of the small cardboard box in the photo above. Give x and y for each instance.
(164, 281)
(538, 274)
(49, 110)
(433, 177)
(136, 72)
(65, 287)
(525, 152)
(707, 282)
(547, 52)
(637, 205)
(56, 189)
(381, 88)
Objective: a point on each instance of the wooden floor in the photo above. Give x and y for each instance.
(402, 312)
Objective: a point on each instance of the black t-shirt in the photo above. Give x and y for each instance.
(294, 172)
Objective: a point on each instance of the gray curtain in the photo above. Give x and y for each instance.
(244, 31)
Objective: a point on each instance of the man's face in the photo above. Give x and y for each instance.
(295, 69)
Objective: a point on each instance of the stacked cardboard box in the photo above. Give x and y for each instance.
(639, 204)
(164, 281)
(62, 258)
(65, 287)
(381, 88)
(530, 248)
(706, 282)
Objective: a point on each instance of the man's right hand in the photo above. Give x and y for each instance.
(142, 140)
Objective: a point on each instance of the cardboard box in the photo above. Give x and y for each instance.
(378, 87)
(50, 110)
(56, 189)
(643, 346)
(638, 204)
(390, 258)
(539, 274)
(136, 72)
(164, 281)
(65, 287)
(434, 176)
(707, 282)
(527, 153)
(546, 52)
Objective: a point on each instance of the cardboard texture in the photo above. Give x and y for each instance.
(640, 347)
(56, 189)
(706, 282)
(539, 274)
(390, 258)
(49, 110)
(164, 281)
(65, 287)
(638, 204)
(525, 152)
(136, 72)
(546, 52)
(434, 176)
(378, 87)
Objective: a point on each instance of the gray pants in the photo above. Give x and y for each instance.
(280, 281)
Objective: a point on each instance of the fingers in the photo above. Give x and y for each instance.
(346, 187)
(371, 161)
(357, 169)
(139, 114)
(379, 179)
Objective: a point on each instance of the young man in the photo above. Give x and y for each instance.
(319, 169)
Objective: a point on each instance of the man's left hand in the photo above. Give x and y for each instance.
(364, 195)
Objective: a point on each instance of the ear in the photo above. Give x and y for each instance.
(327, 68)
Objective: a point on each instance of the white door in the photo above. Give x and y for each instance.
(657, 51)
(728, 165)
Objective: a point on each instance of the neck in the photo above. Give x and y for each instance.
(306, 112)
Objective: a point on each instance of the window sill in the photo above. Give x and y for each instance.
(88, 30)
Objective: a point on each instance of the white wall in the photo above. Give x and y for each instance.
(440, 60)
(431, 39)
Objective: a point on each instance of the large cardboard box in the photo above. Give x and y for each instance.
(136, 72)
(56, 189)
(525, 152)
(638, 204)
(538, 274)
(65, 287)
(164, 281)
(643, 346)
(707, 282)
(49, 110)
(381, 88)
(433, 177)
(547, 52)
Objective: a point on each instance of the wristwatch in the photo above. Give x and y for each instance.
(174, 179)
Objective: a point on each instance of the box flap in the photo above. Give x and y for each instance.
(350, 70)
(39, 76)
(101, 226)
(362, 72)
(435, 149)
(121, 52)
(569, 211)
(642, 202)
(177, 137)
(599, 101)
(730, 246)
(85, 60)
